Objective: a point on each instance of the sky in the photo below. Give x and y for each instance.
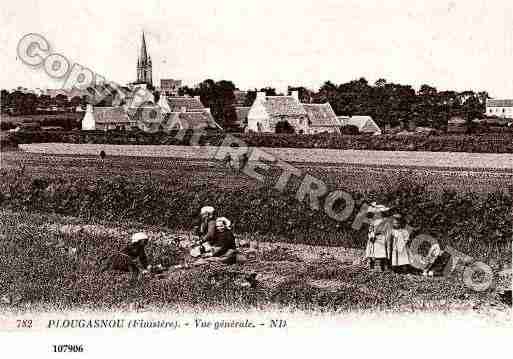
(449, 44)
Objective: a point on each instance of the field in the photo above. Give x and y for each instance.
(55, 202)
(326, 156)
(349, 170)
(39, 272)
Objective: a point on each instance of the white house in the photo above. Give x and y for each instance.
(88, 122)
(499, 108)
(105, 118)
(276, 114)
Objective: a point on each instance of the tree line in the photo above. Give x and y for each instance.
(387, 103)
(22, 103)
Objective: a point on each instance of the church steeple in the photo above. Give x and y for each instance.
(144, 53)
(144, 68)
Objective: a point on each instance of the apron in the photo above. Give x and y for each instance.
(400, 254)
(379, 244)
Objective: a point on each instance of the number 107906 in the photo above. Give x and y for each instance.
(68, 348)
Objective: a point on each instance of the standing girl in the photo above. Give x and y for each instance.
(400, 236)
(379, 238)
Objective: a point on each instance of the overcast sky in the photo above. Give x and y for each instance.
(450, 44)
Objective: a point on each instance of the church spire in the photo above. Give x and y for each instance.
(144, 70)
(144, 53)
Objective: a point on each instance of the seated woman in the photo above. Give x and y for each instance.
(223, 246)
(205, 231)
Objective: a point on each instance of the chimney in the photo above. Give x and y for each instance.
(260, 95)
(295, 94)
(183, 109)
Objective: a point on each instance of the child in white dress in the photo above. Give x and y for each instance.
(400, 260)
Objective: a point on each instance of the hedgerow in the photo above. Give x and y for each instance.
(484, 142)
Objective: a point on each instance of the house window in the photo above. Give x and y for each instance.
(259, 127)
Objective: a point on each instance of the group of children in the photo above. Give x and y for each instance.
(388, 246)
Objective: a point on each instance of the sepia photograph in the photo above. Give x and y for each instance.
(255, 167)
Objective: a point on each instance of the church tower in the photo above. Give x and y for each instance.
(144, 73)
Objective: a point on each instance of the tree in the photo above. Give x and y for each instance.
(380, 83)
(61, 101)
(305, 95)
(29, 104)
(219, 97)
(251, 95)
(44, 101)
(75, 101)
(426, 90)
(5, 99)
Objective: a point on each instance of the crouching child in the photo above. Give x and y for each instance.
(438, 260)
(130, 257)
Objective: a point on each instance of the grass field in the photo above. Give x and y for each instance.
(350, 176)
(39, 273)
(38, 270)
(362, 157)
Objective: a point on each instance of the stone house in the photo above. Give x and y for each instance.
(286, 114)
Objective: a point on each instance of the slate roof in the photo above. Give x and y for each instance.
(321, 115)
(281, 106)
(116, 115)
(364, 123)
(193, 120)
(190, 104)
(499, 103)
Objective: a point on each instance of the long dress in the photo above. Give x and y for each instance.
(379, 239)
(400, 254)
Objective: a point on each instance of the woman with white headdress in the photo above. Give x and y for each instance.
(136, 250)
(130, 257)
(223, 249)
(207, 228)
(378, 249)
